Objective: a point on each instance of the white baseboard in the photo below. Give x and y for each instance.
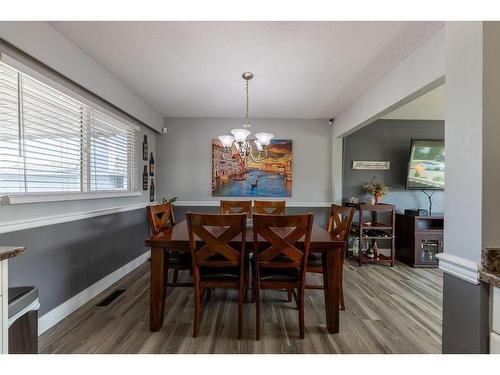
(462, 268)
(57, 314)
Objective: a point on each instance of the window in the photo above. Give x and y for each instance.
(51, 142)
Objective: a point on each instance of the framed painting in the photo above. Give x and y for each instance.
(271, 177)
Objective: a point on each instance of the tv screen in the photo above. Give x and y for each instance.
(426, 165)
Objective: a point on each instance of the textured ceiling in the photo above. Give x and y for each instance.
(302, 69)
(429, 106)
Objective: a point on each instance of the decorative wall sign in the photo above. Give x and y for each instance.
(271, 177)
(371, 165)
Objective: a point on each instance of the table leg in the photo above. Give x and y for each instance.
(331, 279)
(157, 288)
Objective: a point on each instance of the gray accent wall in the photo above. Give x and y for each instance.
(389, 140)
(64, 259)
(185, 156)
(465, 316)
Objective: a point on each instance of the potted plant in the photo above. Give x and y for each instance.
(170, 200)
(376, 189)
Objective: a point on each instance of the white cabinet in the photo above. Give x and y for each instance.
(495, 312)
(494, 343)
(494, 319)
(4, 305)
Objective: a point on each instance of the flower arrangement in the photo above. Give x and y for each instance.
(376, 189)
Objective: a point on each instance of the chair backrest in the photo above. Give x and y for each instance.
(340, 221)
(269, 208)
(235, 207)
(275, 241)
(210, 237)
(160, 216)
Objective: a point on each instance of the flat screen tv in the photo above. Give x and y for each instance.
(426, 165)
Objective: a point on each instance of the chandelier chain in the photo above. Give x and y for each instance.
(246, 114)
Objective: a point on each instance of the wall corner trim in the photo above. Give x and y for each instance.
(60, 312)
(12, 226)
(462, 268)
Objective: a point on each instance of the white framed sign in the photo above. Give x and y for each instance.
(371, 165)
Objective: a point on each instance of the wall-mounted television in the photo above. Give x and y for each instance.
(426, 165)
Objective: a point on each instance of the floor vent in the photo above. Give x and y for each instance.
(106, 301)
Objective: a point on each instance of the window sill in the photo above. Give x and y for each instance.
(9, 199)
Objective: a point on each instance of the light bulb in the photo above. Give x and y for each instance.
(240, 135)
(264, 138)
(226, 140)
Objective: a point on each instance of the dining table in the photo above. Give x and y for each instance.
(176, 239)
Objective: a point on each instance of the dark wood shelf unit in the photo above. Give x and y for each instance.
(420, 238)
(370, 213)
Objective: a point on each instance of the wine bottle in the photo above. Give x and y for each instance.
(145, 149)
(145, 178)
(151, 166)
(152, 191)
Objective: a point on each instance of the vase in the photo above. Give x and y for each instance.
(378, 198)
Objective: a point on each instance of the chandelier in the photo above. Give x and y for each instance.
(247, 146)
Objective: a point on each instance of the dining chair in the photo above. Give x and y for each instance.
(218, 261)
(235, 207)
(339, 224)
(269, 207)
(161, 217)
(278, 262)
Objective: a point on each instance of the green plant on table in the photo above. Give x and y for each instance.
(170, 200)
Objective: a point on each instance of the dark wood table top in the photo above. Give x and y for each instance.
(178, 236)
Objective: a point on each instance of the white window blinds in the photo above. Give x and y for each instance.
(51, 142)
(111, 146)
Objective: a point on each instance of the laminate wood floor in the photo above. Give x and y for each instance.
(388, 310)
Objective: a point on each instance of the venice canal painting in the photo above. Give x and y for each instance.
(270, 178)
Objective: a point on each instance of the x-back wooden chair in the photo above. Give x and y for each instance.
(278, 262)
(218, 261)
(161, 217)
(235, 207)
(339, 224)
(269, 207)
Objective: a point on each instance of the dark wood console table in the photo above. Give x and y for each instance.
(419, 239)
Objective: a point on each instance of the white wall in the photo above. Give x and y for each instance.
(421, 70)
(463, 139)
(185, 156)
(43, 42)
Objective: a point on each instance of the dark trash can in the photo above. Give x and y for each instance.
(23, 320)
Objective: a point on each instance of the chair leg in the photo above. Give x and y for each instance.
(290, 295)
(341, 294)
(257, 313)
(240, 311)
(165, 267)
(301, 313)
(248, 290)
(342, 303)
(176, 275)
(197, 308)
